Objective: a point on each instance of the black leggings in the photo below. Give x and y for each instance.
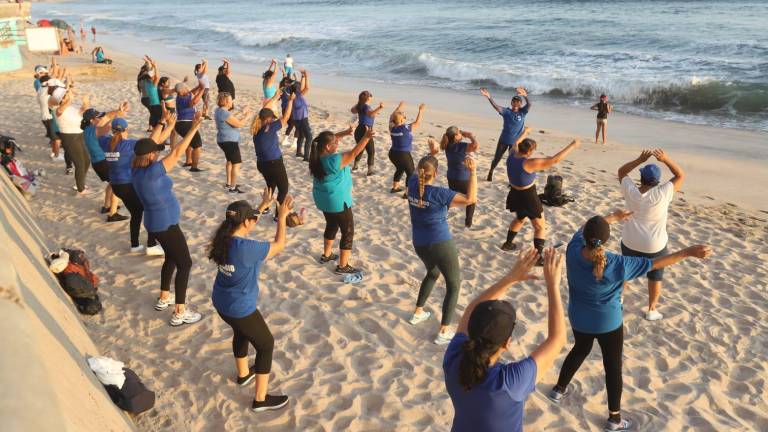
(403, 162)
(155, 114)
(370, 149)
(343, 220)
(463, 187)
(501, 149)
(304, 137)
(253, 329)
(74, 149)
(440, 258)
(176, 258)
(275, 177)
(290, 127)
(128, 196)
(611, 345)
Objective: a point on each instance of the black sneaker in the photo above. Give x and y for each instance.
(347, 269)
(508, 246)
(193, 169)
(244, 381)
(105, 210)
(490, 177)
(324, 259)
(269, 403)
(117, 217)
(236, 189)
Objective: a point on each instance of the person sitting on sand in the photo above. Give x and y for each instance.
(456, 152)
(236, 291)
(489, 395)
(428, 205)
(269, 157)
(332, 193)
(514, 125)
(402, 144)
(366, 118)
(98, 56)
(595, 282)
(186, 100)
(162, 213)
(300, 116)
(603, 108)
(201, 73)
(228, 138)
(645, 233)
(522, 198)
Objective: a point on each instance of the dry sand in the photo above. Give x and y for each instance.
(345, 353)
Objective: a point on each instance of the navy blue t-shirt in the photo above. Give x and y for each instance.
(494, 405)
(514, 122)
(119, 160)
(363, 117)
(236, 288)
(402, 138)
(267, 143)
(429, 221)
(456, 153)
(155, 191)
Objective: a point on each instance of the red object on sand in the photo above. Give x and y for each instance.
(44, 23)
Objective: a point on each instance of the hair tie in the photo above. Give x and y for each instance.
(595, 242)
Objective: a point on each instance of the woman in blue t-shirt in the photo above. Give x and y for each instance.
(432, 239)
(595, 283)
(514, 124)
(236, 291)
(300, 116)
(269, 157)
(402, 144)
(332, 193)
(186, 100)
(228, 137)
(488, 395)
(154, 187)
(456, 150)
(366, 117)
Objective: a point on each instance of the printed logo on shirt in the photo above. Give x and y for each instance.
(112, 156)
(227, 269)
(396, 134)
(518, 117)
(415, 202)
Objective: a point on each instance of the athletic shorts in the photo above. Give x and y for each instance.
(182, 127)
(602, 120)
(155, 115)
(102, 169)
(525, 203)
(206, 96)
(231, 151)
(653, 275)
(50, 131)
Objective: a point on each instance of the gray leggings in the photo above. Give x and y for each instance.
(74, 148)
(440, 258)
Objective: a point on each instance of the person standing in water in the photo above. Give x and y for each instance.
(456, 152)
(645, 233)
(402, 144)
(514, 124)
(228, 138)
(236, 291)
(428, 205)
(266, 143)
(596, 280)
(288, 66)
(603, 108)
(366, 118)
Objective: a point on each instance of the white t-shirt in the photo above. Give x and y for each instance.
(289, 62)
(70, 119)
(203, 78)
(646, 230)
(42, 100)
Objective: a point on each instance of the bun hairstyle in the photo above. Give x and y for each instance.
(427, 169)
(317, 150)
(526, 145)
(449, 137)
(362, 99)
(596, 233)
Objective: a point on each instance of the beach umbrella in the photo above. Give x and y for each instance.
(44, 23)
(59, 24)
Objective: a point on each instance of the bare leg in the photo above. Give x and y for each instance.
(516, 225)
(262, 382)
(235, 172)
(597, 131)
(327, 247)
(539, 228)
(111, 201)
(188, 156)
(654, 292)
(344, 255)
(196, 156)
(242, 367)
(55, 147)
(229, 174)
(604, 140)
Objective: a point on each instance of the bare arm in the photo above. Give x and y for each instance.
(304, 82)
(104, 125)
(484, 92)
(677, 172)
(593, 107)
(698, 251)
(169, 161)
(523, 135)
(473, 144)
(538, 164)
(544, 355)
(461, 200)
(628, 167)
(434, 146)
(197, 93)
(349, 156)
(416, 123)
(239, 121)
(372, 113)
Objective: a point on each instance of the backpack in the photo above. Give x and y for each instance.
(553, 192)
(134, 396)
(80, 283)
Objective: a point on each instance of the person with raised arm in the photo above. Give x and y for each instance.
(523, 200)
(595, 284)
(223, 83)
(366, 118)
(514, 124)
(186, 100)
(236, 291)
(70, 117)
(603, 108)
(332, 193)
(456, 152)
(645, 233)
(489, 395)
(201, 73)
(402, 144)
(269, 80)
(300, 116)
(428, 205)
(266, 143)
(152, 92)
(228, 138)
(162, 214)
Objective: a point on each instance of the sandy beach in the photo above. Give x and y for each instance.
(345, 353)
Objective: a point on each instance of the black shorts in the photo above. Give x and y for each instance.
(145, 102)
(155, 114)
(182, 127)
(231, 151)
(50, 132)
(653, 275)
(102, 169)
(525, 203)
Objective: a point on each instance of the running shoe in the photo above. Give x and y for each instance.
(556, 395)
(347, 269)
(85, 191)
(623, 426)
(162, 305)
(155, 250)
(236, 189)
(269, 403)
(508, 246)
(444, 338)
(193, 169)
(420, 318)
(105, 210)
(244, 381)
(186, 317)
(117, 217)
(324, 259)
(396, 190)
(137, 249)
(68, 171)
(371, 171)
(653, 315)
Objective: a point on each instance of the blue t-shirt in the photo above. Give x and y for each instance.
(37, 84)
(300, 108)
(267, 143)
(494, 405)
(92, 144)
(456, 153)
(284, 98)
(155, 191)
(402, 139)
(151, 89)
(184, 108)
(335, 189)
(429, 222)
(595, 306)
(516, 174)
(119, 160)
(236, 288)
(224, 131)
(514, 122)
(363, 117)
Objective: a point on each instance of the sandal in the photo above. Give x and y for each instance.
(324, 259)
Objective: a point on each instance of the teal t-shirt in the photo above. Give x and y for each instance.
(335, 189)
(154, 97)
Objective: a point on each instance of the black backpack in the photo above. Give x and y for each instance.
(553, 192)
(134, 396)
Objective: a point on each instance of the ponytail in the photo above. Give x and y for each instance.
(474, 362)
(422, 181)
(444, 142)
(427, 168)
(256, 125)
(316, 148)
(597, 256)
(219, 246)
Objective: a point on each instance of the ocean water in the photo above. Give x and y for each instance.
(702, 62)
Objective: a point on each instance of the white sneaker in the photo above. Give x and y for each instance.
(419, 318)
(162, 305)
(155, 250)
(653, 315)
(444, 338)
(186, 317)
(137, 249)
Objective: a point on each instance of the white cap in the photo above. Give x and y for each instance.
(40, 68)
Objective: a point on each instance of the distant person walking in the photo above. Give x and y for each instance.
(514, 125)
(603, 108)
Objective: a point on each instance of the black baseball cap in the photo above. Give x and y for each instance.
(240, 211)
(597, 231)
(517, 98)
(492, 321)
(88, 116)
(146, 146)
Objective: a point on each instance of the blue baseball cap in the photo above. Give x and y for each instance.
(119, 124)
(650, 174)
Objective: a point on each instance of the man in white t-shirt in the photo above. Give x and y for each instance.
(645, 233)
